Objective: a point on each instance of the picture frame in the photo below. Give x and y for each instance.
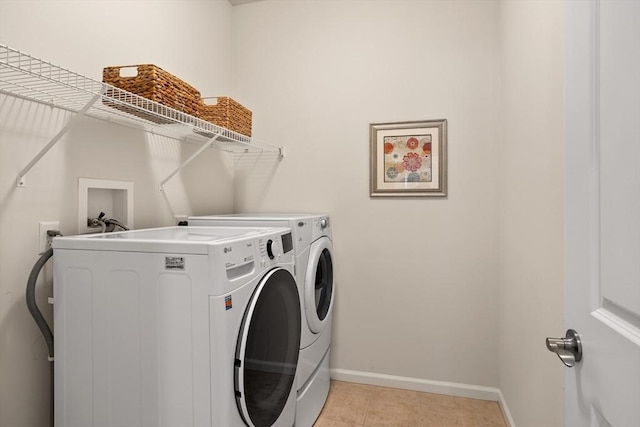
(408, 159)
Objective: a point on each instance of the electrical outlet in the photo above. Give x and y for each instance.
(44, 241)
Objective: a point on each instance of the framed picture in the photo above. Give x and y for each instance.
(408, 159)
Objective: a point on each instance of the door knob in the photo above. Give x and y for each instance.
(568, 349)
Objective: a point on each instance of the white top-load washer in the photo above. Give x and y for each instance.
(312, 241)
(177, 326)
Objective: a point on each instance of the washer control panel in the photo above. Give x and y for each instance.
(273, 248)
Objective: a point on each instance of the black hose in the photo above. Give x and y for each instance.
(113, 223)
(39, 318)
(31, 300)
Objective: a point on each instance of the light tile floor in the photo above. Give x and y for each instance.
(351, 405)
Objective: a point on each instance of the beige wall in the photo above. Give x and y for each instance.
(417, 279)
(191, 40)
(531, 210)
(493, 247)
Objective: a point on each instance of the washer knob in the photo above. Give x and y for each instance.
(324, 223)
(270, 249)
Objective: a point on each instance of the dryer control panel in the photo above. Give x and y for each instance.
(321, 227)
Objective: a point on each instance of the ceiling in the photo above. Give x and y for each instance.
(237, 2)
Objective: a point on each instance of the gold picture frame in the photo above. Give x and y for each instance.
(408, 159)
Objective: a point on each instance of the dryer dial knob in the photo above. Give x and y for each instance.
(324, 223)
(270, 249)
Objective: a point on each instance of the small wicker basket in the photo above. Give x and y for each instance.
(227, 113)
(154, 83)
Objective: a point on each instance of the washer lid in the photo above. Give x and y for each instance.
(166, 239)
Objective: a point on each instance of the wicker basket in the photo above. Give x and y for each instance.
(227, 113)
(153, 83)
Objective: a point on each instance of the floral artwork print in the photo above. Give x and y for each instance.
(407, 158)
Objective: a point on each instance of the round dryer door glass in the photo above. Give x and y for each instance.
(268, 349)
(318, 295)
(323, 284)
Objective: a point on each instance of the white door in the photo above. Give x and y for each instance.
(602, 292)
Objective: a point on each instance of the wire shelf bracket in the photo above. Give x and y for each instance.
(21, 180)
(206, 145)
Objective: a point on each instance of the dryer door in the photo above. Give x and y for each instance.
(318, 284)
(268, 348)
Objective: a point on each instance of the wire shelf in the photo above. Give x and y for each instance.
(28, 77)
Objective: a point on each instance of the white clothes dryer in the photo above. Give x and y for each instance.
(177, 326)
(313, 248)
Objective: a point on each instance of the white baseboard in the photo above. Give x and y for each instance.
(427, 386)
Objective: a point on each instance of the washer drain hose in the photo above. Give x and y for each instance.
(38, 317)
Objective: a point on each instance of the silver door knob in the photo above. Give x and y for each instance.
(568, 349)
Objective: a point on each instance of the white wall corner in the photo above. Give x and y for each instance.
(505, 410)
